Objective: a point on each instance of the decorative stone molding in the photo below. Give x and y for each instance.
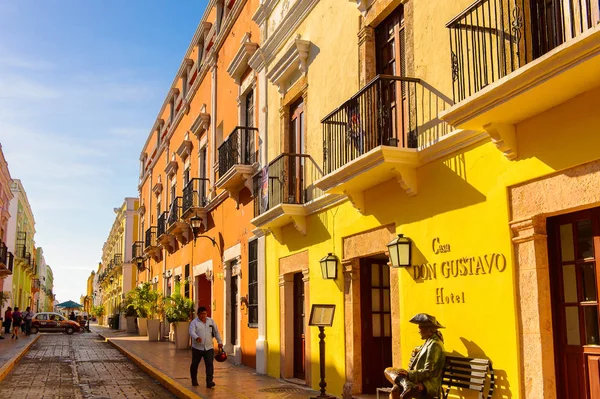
(201, 124)
(171, 168)
(283, 31)
(504, 138)
(157, 188)
(450, 144)
(239, 64)
(295, 58)
(185, 148)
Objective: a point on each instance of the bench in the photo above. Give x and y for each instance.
(465, 373)
(468, 373)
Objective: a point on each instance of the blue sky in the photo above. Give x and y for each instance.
(81, 83)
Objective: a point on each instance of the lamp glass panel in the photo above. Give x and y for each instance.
(404, 251)
(324, 269)
(394, 258)
(331, 268)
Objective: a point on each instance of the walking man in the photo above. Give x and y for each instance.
(27, 317)
(202, 330)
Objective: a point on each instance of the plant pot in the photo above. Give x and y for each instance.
(153, 330)
(182, 336)
(171, 332)
(142, 326)
(130, 324)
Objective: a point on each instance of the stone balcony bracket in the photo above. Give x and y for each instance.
(377, 166)
(236, 179)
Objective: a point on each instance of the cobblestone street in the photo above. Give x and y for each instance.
(78, 366)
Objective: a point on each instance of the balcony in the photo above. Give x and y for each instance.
(117, 260)
(35, 285)
(283, 192)
(165, 239)
(6, 261)
(137, 255)
(151, 246)
(373, 137)
(176, 225)
(238, 157)
(512, 60)
(195, 200)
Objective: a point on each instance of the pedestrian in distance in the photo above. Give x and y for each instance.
(7, 320)
(72, 316)
(17, 319)
(27, 318)
(202, 330)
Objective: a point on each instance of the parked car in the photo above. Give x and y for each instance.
(53, 322)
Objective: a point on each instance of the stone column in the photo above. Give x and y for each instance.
(366, 55)
(286, 320)
(352, 328)
(534, 308)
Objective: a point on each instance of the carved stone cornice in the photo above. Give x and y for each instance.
(239, 64)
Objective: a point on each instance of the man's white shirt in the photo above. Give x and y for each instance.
(206, 331)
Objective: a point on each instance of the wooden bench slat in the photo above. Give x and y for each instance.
(477, 388)
(480, 374)
(472, 380)
(466, 368)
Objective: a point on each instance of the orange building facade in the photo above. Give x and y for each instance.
(196, 170)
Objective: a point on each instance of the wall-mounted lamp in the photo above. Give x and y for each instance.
(111, 279)
(196, 225)
(400, 249)
(329, 266)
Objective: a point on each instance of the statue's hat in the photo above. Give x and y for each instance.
(423, 319)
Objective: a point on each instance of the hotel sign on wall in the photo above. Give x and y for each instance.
(451, 268)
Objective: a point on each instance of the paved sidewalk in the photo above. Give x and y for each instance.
(12, 350)
(171, 368)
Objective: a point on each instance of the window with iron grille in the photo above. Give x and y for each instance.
(253, 284)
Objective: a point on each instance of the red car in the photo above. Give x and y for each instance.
(53, 322)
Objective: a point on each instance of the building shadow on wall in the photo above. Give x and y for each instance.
(442, 187)
(501, 383)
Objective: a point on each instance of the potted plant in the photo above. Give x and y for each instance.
(98, 312)
(154, 308)
(179, 311)
(130, 312)
(138, 298)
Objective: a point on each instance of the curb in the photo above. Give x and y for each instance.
(4, 370)
(170, 384)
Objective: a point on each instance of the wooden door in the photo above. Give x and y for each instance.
(234, 309)
(393, 106)
(547, 25)
(574, 249)
(203, 294)
(299, 333)
(376, 322)
(296, 146)
(248, 142)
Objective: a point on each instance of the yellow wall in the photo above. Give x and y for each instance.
(462, 200)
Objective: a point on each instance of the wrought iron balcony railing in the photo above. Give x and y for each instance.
(21, 244)
(151, 237)
(10, 260)
(195, 194)
(118, 259)
(161, 224)
(289, 179)
(137, 250)
(36, 283)
(384, 112)
(3, 253)
(238, 149)
(493, 38)
(175, 211)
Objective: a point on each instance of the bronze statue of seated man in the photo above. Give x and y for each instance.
(423, 377)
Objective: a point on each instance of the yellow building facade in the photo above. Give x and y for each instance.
(117, 274)
(469, 132)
